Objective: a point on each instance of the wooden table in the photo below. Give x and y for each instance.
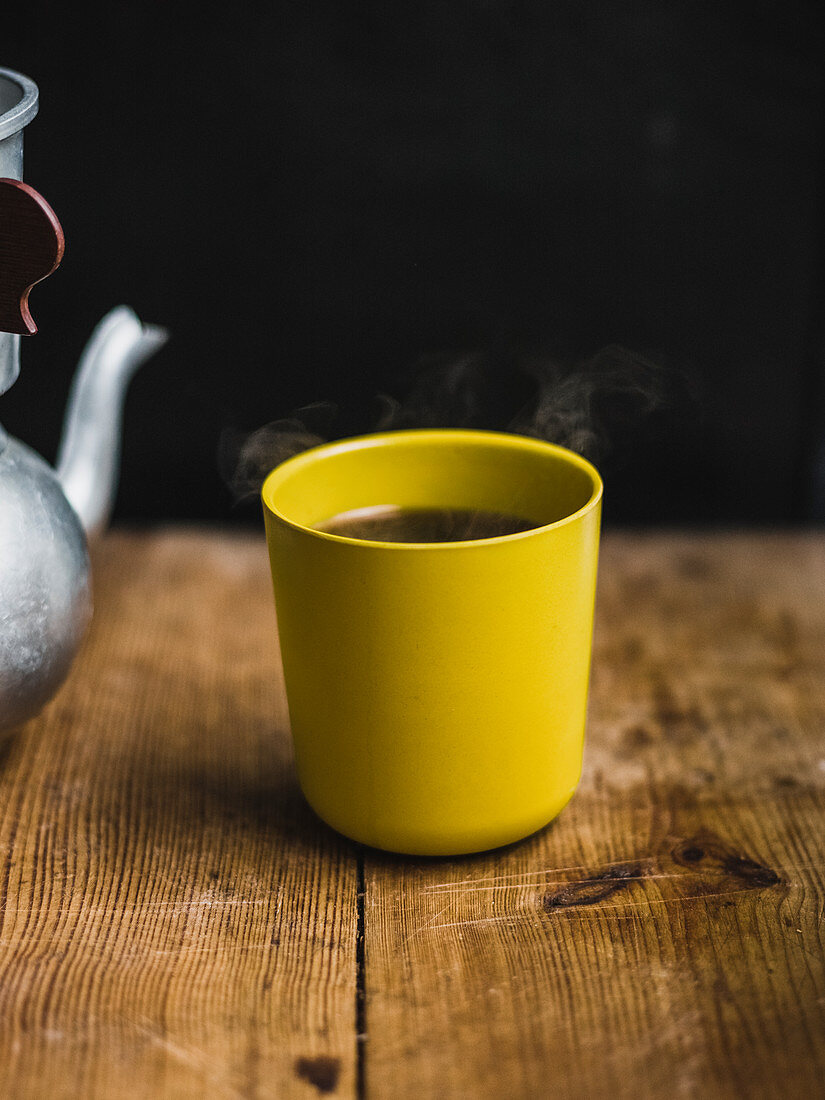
(176, 923)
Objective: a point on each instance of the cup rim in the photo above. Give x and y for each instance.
(507, 440)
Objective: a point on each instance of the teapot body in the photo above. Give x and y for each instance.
(46, 516)
(45, 590)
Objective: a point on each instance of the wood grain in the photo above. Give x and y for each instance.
(175, 923)
(665, 936)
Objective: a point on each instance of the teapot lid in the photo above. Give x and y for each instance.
(18, 102)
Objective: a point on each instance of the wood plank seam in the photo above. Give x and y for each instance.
(361, 1035)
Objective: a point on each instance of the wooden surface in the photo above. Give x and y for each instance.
(175, 922)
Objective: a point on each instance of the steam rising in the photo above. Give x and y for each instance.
(244, 459)
(579, 407)
(588, 407)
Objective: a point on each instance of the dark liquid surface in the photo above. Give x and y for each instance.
(388, 524)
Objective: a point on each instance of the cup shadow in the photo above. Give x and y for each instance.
(192, 804)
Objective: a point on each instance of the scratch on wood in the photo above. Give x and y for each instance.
(526, 883)
(425, 927)
(702, 854)
(508, 918)
(138, 907)
(195, 1059)
(599, 912)
(462, 883)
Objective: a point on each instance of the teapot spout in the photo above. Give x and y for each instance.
(89, 454)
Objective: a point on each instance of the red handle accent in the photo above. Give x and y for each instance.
(31, 247)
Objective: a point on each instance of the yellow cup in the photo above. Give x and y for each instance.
(437, 691)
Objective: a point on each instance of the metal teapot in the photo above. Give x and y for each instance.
(46, 515)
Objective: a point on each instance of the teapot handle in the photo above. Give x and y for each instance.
(31, 247)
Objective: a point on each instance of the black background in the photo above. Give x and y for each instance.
(317, 197)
